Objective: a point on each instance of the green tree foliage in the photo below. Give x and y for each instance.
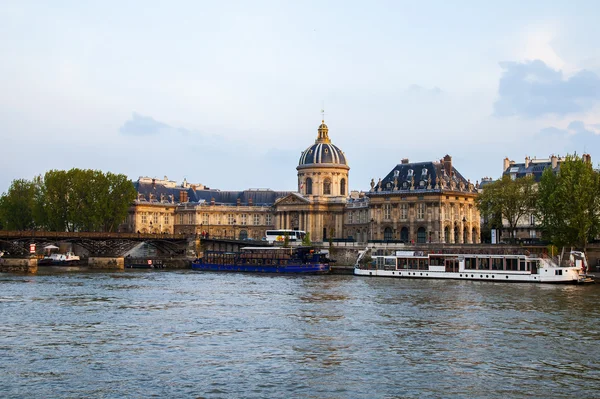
(17, 206)
(74, 200)
(306, 240)
(508, 199)
(569, 203)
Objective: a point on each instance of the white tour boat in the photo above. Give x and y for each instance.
(480, 267)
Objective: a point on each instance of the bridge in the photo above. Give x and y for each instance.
(117, 244)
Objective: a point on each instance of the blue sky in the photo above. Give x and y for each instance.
(229, 93)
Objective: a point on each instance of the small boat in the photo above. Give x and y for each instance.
(479, 267)
(297, 260)
(67, 259)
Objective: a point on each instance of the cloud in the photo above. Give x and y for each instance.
(533, 89)
(140, 125)
(415, 88)
(579, 136)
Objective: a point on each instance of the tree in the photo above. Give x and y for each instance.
(569, 203)
(17, 206)
(306, 240)
(509, 199)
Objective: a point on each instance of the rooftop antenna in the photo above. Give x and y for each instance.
(323, 111)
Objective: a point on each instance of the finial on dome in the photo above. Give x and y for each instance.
(323, 136)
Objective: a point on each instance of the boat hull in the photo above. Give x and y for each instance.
(488, 275)
(316, 268)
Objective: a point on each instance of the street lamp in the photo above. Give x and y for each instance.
(234, 222)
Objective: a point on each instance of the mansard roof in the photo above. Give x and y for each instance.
(422, 177)
(156, 192)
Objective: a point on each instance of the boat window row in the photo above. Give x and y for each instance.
(451, 264)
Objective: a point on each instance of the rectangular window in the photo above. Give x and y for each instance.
(257, 219)
(144, 219)
(155, 218)
(190, 218)
(244, 219)
(350, 217)
(268, 219)
(166, 219)
(181, 218)
(420, 211)
(205, 218)
(404, 211)
(387, 208)
(230, 218)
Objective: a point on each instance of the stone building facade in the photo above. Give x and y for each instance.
(165, 207)
(416, 202)
(318, 206)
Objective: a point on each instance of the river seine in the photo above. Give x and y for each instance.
(209, 335)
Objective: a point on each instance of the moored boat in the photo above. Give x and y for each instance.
(481, 267)
(66, 259)
(297, 260)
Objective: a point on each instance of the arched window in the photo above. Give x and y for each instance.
(308, 183)
(326, 187)
(243, 234)
(465, 235)
(421, 235)
(446, 234)
(387, 234)
(404, 235)
(456, 234)
(343, 187)
(474, 238)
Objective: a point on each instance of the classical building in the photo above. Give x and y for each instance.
(163, 206)
(318, 206)
(418, 202)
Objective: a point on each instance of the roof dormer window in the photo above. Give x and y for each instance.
(396, 173)
(410, 173)
(424, 172)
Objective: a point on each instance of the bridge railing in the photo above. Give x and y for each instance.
(87, 234)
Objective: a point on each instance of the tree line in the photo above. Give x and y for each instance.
(73, 200)
(565, 205)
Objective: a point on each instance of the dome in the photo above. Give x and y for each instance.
(322, 151)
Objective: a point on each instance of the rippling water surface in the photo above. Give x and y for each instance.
(210, 335)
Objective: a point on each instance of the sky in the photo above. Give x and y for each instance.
(229, 93)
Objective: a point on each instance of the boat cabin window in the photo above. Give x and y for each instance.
(402, 263)
(522, 265)
(436, 261)
(390, 262)
(497, 264)
(470, 263)
(483, 263)
(511, 263)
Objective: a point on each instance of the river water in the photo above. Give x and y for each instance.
(188, 334)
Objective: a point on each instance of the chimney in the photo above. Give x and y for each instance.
(404, 160)
(250, 202)
(448, 164)
(154, 183)
(239, 202)
(554, 160)
(506, 164)
(212, 201)
(527, 162)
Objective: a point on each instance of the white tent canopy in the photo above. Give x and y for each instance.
(50, 247)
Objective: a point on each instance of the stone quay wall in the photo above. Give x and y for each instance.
(107, 263)
(18, 265)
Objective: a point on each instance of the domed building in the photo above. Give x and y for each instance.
(318, 206)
